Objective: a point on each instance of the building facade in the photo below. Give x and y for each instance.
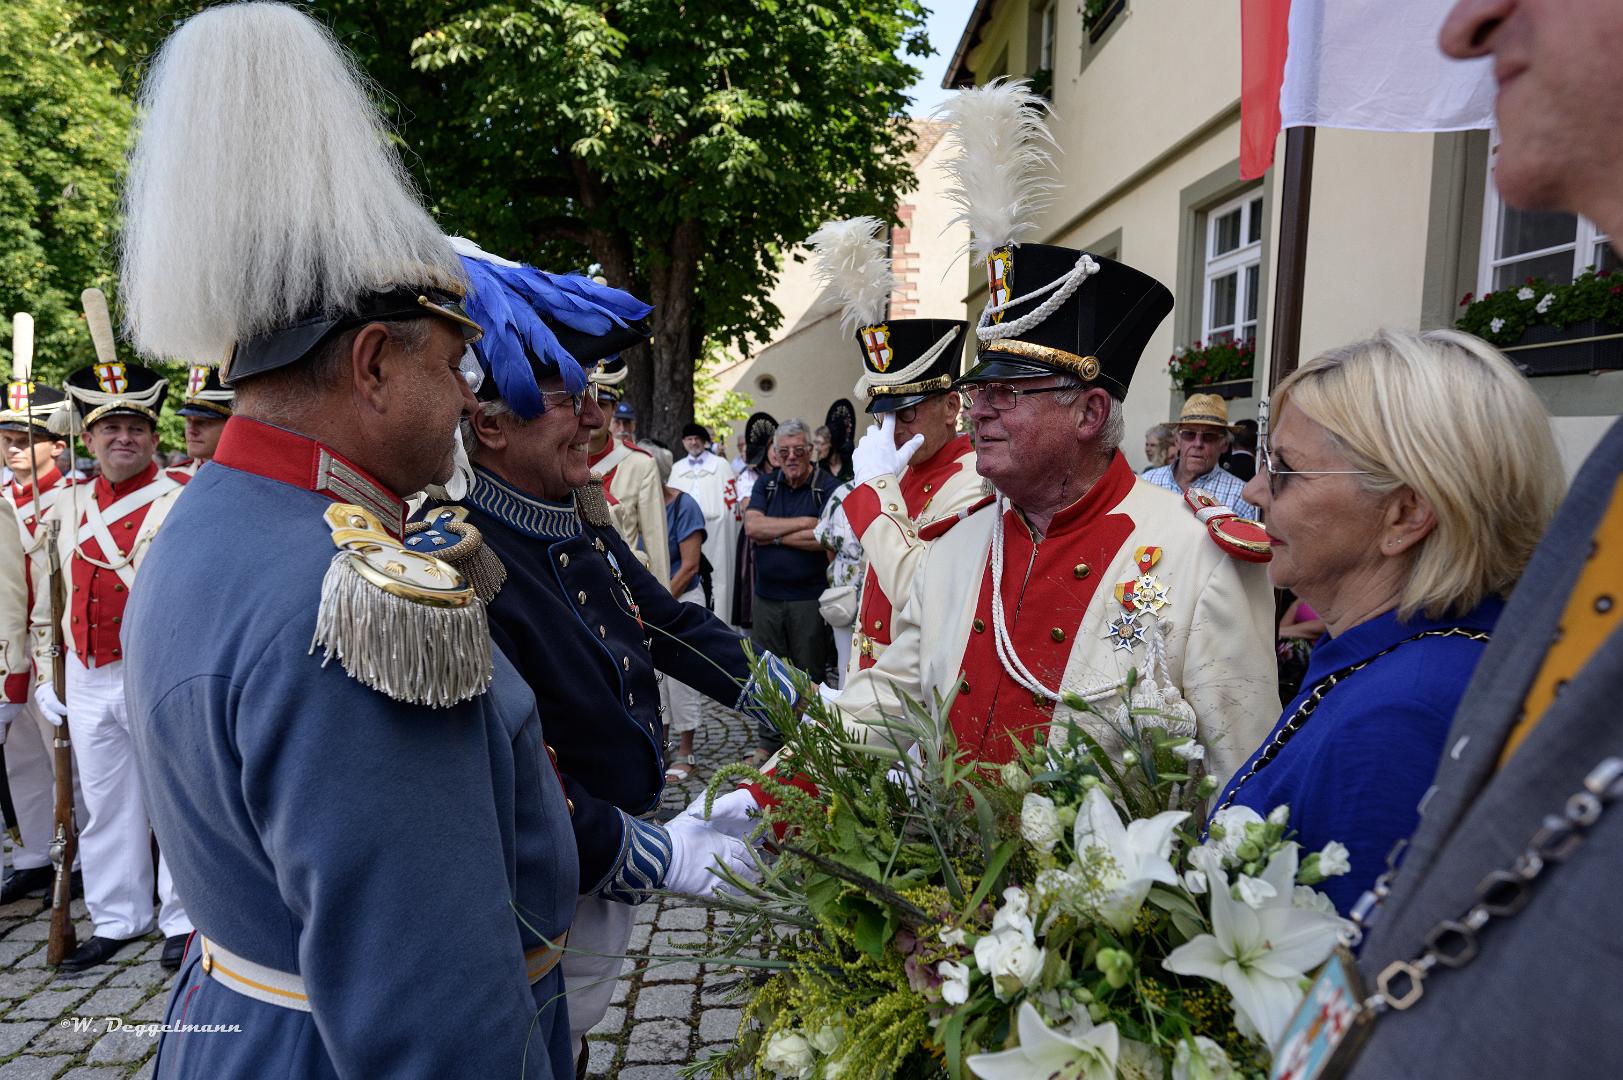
(1146, 103)
(809, 363)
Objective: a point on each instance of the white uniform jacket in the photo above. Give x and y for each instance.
(886, 514)
(631, 481)
(714, 487)
(1060, 601)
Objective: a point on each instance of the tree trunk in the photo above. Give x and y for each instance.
(662, 391)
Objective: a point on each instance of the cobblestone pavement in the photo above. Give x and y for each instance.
(85, 1026)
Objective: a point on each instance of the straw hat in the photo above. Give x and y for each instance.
(1204, 410)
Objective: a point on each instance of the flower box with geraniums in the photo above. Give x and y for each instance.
(1553, 329)
(1223, 368)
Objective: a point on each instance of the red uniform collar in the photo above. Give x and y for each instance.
(276, 453)
(1106, 492)
(23, 494)
(951, 451)
(106, 491)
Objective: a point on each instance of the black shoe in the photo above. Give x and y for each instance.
(98, 950)
(174, 951)
(30, 882)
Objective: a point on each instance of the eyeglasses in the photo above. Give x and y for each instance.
(549, 398)
(907, 415)
(1276, 476)
(1185, 435)
(1002, 397)
(794, 451)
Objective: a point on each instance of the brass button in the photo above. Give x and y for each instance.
(129, 524)
(878, 483)
(598, 544)
(980, 627)
(965, 684)
(553, 754)
(602, 631)
(76, 618)
(1057, 634)
(1080, 570)
(891, 507)
(563, 560)
(115, 652)
(118, 587)
(117, 619)
(570, 803)
(1038, 700)
(581, 596)
(926, 487)
(625, 662)
(878, 624)
(631, 699)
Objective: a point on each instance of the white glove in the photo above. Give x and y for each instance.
(695, 848)
(877, 453)
(734, 814)
(8, 713)
(45, 698)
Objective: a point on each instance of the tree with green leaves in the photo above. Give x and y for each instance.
(63, 127)
(680, 148)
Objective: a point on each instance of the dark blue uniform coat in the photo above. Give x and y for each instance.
(587, 626)
(391, 854)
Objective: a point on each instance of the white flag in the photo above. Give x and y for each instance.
(1374, 65)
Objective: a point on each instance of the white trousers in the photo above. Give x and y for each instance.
(596, 951)
(115, 838)
(681, 701)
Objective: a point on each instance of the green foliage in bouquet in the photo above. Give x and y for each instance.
(1503, 316)
(1201, 365)
(929, 915)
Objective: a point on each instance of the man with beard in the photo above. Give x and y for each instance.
(317, 710)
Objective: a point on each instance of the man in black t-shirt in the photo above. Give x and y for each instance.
(790, 563)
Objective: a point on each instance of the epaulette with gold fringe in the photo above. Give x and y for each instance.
(446, 533)
(592, 505)
(403, 622)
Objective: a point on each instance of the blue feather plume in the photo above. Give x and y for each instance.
(514, 303)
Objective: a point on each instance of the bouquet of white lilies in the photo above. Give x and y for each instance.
(1059, 915)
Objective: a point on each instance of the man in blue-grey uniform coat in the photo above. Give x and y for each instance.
(587, 625)
(349, 783)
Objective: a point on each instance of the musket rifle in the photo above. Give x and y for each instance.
(65, 841)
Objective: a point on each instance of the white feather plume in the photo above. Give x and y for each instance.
(850, 259)
(1001, 177)
(262, 186)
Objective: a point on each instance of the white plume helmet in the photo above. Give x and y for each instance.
(263, 187)
(1001, 176)
(22, 346)
(850, 258)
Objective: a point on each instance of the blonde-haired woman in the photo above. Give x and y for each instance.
(1405, 481)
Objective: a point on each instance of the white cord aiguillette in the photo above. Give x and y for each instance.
(1061, 287)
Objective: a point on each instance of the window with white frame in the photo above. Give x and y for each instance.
(1233, 269)
(1522, 244)
(1045, 50)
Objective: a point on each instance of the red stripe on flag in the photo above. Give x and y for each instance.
(1264, 35)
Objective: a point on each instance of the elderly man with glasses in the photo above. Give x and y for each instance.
(1076, 572)
(1203, 437)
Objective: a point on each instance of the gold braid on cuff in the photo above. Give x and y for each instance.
(940, 382)
(1085, 366)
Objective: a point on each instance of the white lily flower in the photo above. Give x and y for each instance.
(1259, 955)
(1194, 881)
(1085, 1052)
(1333, 860)
(1306, 896)
(1255, 892)
(953, 936)
(954, 982)
(1136, 856)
